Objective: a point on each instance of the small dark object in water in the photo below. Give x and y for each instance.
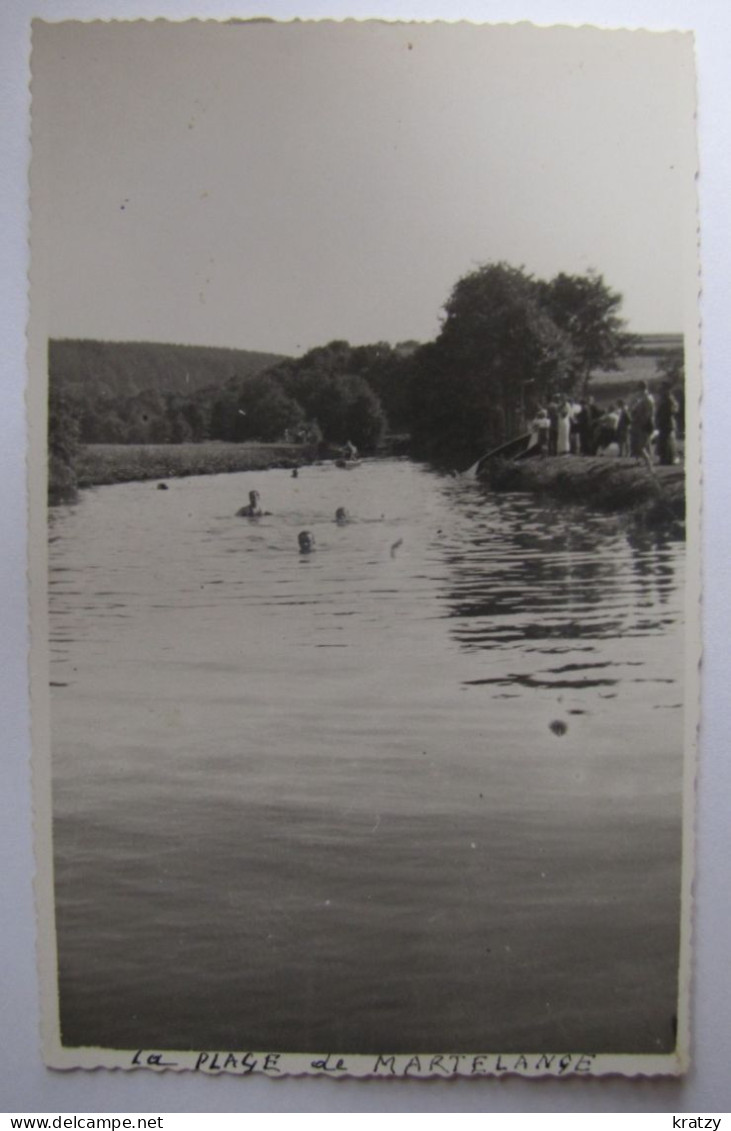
(295, 473)
(162, 486)
(306, 542)
(394, 548)
(341, 516)
(558, 727)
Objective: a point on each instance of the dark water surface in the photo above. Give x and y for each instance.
(420, 791)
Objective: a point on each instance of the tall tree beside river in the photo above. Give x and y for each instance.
(586, 309)
(508, 341)
(497, 346)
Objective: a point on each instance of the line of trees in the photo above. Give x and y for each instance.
(507, 342)
(142, 392)
(335, 392)
(110, 370)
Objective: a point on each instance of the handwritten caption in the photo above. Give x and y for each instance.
(332, 1064)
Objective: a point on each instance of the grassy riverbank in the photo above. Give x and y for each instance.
(655, 495)
(121, 463)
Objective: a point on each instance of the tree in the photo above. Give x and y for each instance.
(224, 415)
(329, 390)
(364, 418)
(389, 372)
(146, 417)
(64, 429)
(195, 412)
(265, 411)
(587, 311)
(498, 347)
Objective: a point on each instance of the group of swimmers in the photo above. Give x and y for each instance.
(305, 539)
(584, 428)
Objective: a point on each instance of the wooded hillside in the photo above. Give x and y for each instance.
(107, 370)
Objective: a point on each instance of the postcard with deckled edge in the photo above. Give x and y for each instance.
(365, 507)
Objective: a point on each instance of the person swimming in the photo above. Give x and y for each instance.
(306, 542)
(252, 509)
(341, 516)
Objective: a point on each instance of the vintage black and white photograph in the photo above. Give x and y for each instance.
(364, 403)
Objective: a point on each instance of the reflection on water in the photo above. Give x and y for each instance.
(417, 790)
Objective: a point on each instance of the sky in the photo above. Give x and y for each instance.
(276, 186)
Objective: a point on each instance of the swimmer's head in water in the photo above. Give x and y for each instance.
(252, 508)
(341, 516)
(306, 541)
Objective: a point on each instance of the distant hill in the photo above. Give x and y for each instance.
(108, 370)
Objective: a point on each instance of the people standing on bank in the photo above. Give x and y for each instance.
(665, 421)
(583, 426)
(623, 423)
(605, 433)
(563, 432)
(596, 412)
(642, 422)
(552, 425)
(588, 417)
(540, 426)
(575, 411)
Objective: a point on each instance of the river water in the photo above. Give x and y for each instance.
(417, 791)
